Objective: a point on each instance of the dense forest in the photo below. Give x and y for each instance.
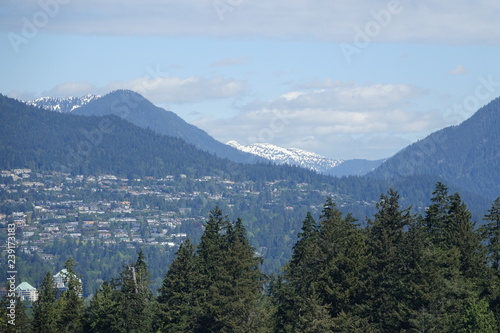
(435, 272)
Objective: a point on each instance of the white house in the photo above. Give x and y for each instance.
(26, 292)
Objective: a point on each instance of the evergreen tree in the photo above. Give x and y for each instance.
(477, 317)
(212, 252)
(343, 253)
(491, 233)
(244, 284)
(16, 321)
(136, 302)
(102, 314)
(315, 316)
(461, 233)
(71, 304)
(230, 277)
(300, 275)
(387, 308)
(302, 271)
(45, 315)
(177, 298)
(285, 301)
(436, 214)
(449, 269)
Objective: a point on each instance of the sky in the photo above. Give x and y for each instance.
(344, 79)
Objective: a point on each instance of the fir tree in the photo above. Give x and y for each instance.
(301, 272)
(102, 314)
(70, 304)
(491, 233)
(16, 321)
(177, 298)
(244, 284)
(461, 233)
(44, 310)
(211, 253)
(387, 266)
(230, 277)
(136, 302)
(343, 253)
(437, 213)
(300, 275)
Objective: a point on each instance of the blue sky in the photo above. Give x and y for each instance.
(345, 79)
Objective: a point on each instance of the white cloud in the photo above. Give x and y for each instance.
(176, 90)
(442, 21)
(345, 121)
(70, 89)
(459, 70)
(342, 96)
(159, 90)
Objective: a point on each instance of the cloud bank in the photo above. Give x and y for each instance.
(375, 118)
(436, 21)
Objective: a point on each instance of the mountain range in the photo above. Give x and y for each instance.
(136, 109)
(466, 156)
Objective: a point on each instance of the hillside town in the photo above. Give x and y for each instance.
(49, 206)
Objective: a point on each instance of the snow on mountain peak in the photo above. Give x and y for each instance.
(291, 156)
(63, 105)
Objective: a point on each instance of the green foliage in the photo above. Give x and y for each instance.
(401, 273)
(478, 318)
(491, 233)
(13, 316)
(45, 314)
(229, 275)
(124, 305)
(177, 299)
(103, 313)
(387, 268)
(70, 305)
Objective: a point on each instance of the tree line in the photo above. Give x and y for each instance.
(435, 272)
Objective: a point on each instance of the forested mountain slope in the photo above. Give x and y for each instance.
(467, 155)
(133, 107)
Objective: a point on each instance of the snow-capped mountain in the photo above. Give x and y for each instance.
(63, 105)
(291, 156)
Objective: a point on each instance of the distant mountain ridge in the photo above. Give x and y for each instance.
(290, 156)
(309, 160)
(134, 108)
(38, 139)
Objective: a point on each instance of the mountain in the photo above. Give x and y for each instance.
(467, 155)
(63, 105)
(133, 107)
(92, 145)
(308, 160)
(136, 109)
(274, 198)
(290, 156)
